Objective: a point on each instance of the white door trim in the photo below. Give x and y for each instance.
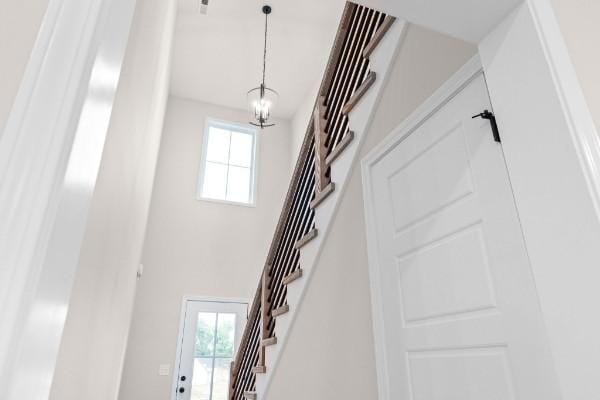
(437, 100)
(551, 149)
(579, 119)
(446, 92)
(50, 154)
(186, 299)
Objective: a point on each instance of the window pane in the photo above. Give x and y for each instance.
(205, 334)
(225, 335)
(201, 379)
(221, 379)
(218, 145)
(238, 185)
(215, 181)
(241, 149)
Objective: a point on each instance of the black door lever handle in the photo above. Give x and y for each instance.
(486, 114)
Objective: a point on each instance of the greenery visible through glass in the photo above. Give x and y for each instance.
(205, 334)
(214, 349)
(225, 335)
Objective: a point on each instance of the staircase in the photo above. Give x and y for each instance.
(362, 53)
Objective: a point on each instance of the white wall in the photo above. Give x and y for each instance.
(330, 348)
(19, 25)
(303, 114)
(301, 120)
(197, 247)
(93, 345)
(578, 20)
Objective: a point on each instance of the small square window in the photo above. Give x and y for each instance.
(227, 171)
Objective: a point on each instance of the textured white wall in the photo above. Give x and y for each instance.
(578, 20)
(301, 120)
(331, 344)
(19, 24)
(197, 247)
(93, 345)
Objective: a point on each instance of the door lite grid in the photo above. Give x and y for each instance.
(213, 352)
(210, 336)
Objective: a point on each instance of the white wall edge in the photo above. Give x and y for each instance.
(440, 97)
(579, 118)
(50, 153)
(551, 151)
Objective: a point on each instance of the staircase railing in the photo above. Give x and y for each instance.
(242, 379)
(347, 77)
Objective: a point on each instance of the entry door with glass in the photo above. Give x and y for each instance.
(210, 337)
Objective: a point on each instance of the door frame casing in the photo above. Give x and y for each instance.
(552, 152)
(186, 299)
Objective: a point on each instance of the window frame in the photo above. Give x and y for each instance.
(237, 127)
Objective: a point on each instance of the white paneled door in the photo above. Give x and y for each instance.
(458, 305)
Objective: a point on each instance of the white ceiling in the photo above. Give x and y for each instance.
(217, 57)
(469, 20)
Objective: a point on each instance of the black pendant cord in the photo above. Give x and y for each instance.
(262, 116)
(265, 51)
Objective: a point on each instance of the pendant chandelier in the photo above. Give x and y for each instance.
(261, 99)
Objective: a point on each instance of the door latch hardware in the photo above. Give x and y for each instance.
(486, 114)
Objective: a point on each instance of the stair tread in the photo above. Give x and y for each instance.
(360, 92)
(259, 369)
(269, 341)
(381, 31)
(322, 195)
(306, 238)
(280, 310)
(292, 277)
(335, 153)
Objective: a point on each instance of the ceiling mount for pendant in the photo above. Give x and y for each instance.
(261, 99)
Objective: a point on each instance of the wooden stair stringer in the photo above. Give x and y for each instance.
(341, 168)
